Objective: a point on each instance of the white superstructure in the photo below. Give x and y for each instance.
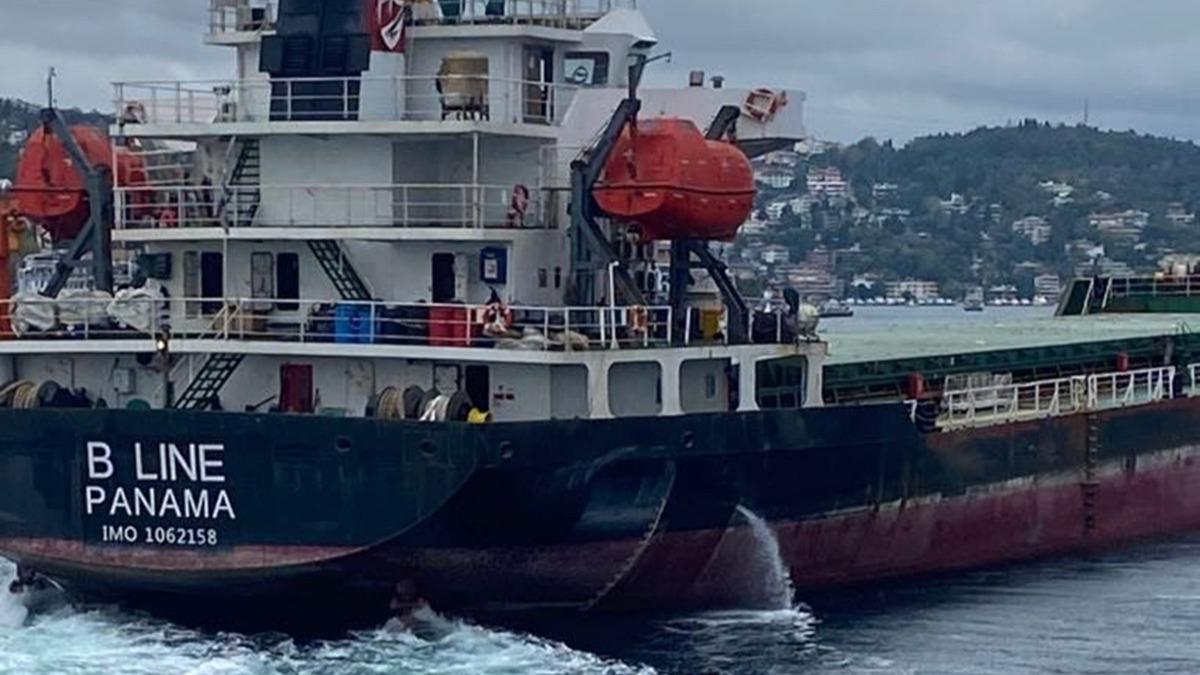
(350, 234)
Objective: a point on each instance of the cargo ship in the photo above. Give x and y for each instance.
(428, 300)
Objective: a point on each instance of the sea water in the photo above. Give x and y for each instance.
(1133, 611)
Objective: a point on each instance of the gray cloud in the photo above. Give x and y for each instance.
(888, 68)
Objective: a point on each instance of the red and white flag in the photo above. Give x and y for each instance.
(388, 24)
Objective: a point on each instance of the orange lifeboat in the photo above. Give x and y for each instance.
(51, 192)
(676, 184)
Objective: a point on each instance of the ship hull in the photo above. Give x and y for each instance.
(628, 514)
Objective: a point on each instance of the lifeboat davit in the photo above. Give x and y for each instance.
(676, 184)
(51, 192)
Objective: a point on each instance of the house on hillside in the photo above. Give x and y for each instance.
(1033, 228)
(920, 291)
(827, 183)
(774, 254)
(1177, 214)
(775, 178)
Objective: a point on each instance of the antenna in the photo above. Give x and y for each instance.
(1086, 111)
(50, 87)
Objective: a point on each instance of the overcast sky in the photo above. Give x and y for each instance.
(890, 69)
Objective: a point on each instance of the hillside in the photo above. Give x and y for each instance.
(992, 206)
(18, 119)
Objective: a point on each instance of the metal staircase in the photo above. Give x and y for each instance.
(345, 278)
(208, 383)
(241, 196)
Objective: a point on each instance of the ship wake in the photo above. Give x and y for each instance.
(12, 611)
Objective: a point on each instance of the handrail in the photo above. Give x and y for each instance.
(1156, 286)
(440, 205)
(981, 406)
(573, 14)
(243, 16)
(351, 322)
(422, 98)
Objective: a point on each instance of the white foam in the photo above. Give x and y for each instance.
(90, 641)
(777, 590)
(12, 612)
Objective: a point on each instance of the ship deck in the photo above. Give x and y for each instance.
(885, 333)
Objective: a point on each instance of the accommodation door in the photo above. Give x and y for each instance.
(296, 388)
(212, 281)
(444, 282)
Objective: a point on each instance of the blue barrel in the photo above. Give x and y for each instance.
(345, 324)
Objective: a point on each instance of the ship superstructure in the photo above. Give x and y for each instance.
(350, 213)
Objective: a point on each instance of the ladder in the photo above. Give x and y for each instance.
(1090, 486)
(241, 197)
(207, 384)
(345, 278)
(1100, 296)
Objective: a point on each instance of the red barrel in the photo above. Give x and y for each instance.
(676, 184)
(449, 326)
(915, 386)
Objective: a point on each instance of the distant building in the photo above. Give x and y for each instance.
(813, 147)
(775, 255)
(775, 209)
(814, 284)
(1061, 193)
(955, 204)
(883, 217)
(1178, 215)
(1033, 228)
(827, 183)
(778, 179)
(1055, 187)
(921, 291)
(1048, 286)
(1104, 267)
(1126, 224)
(884, 192)
(789, 159)
(1002, 293)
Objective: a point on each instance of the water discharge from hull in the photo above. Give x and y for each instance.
(777, 591)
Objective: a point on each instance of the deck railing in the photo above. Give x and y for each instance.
(342, 322)
(1155, 286)
(983, 406)
(240, 16)
(86, 316)
(480, 98)
(249, 16)
(439, 205)
(571, 14)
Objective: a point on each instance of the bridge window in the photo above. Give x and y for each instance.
(586, 69)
